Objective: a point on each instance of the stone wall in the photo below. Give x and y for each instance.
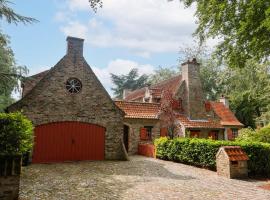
(223, 164)
(134, 132)
(193, 99)
(10, 170)
(49, 101)
(9, 187)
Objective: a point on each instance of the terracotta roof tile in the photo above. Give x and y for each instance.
(235, 153)
(139, 110)
(170, 84)
(199, 123)
(225, 114)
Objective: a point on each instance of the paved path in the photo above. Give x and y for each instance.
(140, 178)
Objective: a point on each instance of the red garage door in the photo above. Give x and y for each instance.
(68, 141)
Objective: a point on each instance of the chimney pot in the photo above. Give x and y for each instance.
(75, 46)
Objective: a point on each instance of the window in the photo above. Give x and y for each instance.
(234, 133)
(213, 135)
(73, 85)
(149, 131)
(195, 134)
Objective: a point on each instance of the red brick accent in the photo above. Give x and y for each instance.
(147, 150)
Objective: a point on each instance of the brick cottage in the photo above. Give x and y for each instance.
(76, 119)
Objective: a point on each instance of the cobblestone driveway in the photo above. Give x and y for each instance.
(140, 178)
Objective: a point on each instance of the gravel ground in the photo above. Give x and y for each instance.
(139, 178)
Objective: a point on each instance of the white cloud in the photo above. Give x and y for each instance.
(75, 29)
(119, 67)
(142, 26)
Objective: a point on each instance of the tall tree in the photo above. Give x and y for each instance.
(131, 81)
(160, 74)
(10, 73)
(242, 26)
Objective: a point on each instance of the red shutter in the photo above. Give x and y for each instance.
(143, 134)
(207, 106)
(229, 134)
(195, 134)
(163, 132)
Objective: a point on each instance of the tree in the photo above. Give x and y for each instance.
(10, 73)
(11, 16)
(248, 90)
(168, 113)
(250, 135)
(242, 26)
(161, 74)
(131, 81)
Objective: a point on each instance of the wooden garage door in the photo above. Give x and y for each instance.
(68, 141)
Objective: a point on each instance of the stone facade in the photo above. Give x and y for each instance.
(49, 101)
(231, 162)
(134, 132)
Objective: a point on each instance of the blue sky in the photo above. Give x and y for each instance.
(122, 35)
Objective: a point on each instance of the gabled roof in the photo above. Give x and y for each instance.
(171, 85)
(31, 81)
(225, 114)
(199, 123)
(235, 153)
(139, 110)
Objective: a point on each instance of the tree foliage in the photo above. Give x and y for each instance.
(11, 16)
(130, 81)
(248, 90)
(160, 74)
(243, 27)
(10, 73)
(251, 135)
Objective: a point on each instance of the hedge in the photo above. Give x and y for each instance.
(202, 152)
(16, 134)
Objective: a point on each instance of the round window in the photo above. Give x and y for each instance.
(73, 85)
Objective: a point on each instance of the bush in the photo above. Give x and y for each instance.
(16, 134)
(250, 135)
(202, 152)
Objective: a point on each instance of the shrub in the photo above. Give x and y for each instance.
(247, 134)
(202, 152)
(16, 134)
(250, 135)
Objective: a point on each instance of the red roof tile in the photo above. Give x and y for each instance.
(235, 153)
(139, 110)
(225, 114)
(199, 123)
(156, 89)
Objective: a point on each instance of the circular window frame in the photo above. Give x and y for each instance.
(78, 81)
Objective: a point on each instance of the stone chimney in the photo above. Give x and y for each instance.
(224, 100)
(193, 100)
(126, 92)
(75, 46)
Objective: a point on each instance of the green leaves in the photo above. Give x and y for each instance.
(16, 134)
(242, 26)
(202, 152)
(130, 81)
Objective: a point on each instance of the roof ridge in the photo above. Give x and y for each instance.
(166, 80)
(136, 102)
